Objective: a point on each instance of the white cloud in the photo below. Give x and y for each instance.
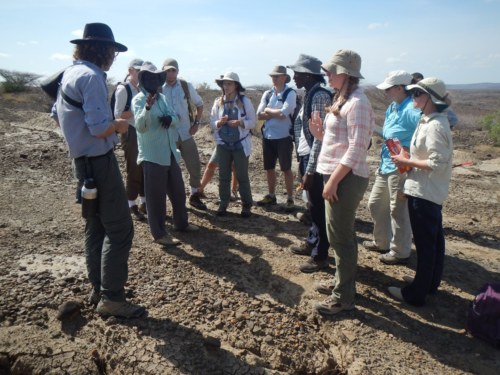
(377, 25)
(60, 57)
(4, 54)
(78, 33)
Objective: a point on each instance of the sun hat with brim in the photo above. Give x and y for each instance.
(135, 64)
(435, 88)
(307, 64)
(229, 76)
(395, 78)
(148, 69)
(170, 63)
(99, 33)
(280, 70)
(344, 61)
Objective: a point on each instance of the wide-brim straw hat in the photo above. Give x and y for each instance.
(435, 88)
(280, 70)
(344, 61)
(229, 76)
(99, 33)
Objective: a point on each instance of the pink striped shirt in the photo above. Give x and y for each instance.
(347, 136)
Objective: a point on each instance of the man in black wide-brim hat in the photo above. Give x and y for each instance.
(86, 121)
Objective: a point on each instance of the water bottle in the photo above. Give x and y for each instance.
(89, 198)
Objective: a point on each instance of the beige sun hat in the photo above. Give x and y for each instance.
(280, 70)
(170, 63)
(344, 61)
(229, 76)
(395, 78)
(435, 88)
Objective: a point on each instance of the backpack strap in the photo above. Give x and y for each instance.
(310, 98)
(73, 102)
(129, 98)
(187, 96)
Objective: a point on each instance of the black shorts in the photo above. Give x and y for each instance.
(277, 149)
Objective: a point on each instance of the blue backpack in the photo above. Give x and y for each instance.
(229, 135)
(483, 316)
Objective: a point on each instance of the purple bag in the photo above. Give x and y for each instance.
(483, 316)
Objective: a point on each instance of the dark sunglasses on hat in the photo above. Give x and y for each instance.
(417, 93)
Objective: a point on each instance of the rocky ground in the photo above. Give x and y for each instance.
(230, 299)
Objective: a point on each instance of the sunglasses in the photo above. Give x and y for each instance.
(417, 93)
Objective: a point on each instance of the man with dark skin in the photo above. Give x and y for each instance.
(308, 76)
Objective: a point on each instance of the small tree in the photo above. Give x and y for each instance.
(17, 81)
(492, 123)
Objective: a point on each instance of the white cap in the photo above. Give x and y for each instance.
(395, 78)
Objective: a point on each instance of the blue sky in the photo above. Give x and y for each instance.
(455, 40)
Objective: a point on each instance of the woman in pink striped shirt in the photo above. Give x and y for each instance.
(346, 137)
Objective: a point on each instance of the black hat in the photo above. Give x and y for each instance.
(99, 33)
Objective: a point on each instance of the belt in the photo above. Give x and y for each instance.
(94, 157)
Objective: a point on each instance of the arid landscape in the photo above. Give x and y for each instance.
(230, 299)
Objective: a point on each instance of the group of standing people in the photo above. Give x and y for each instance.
(157, 115)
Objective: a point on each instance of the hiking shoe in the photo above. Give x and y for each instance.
(136, 214)
(391, 258)
(142, 209)
(94, 297)
(370, 245)
(325, 287)
(267, 201)
(246, 210)
(221, 211)
(331, 307)
(395, 293)
(168, 240)
(121, 309)
(314, 265)
(189, 229)
(195, 201)
(290, 205)
(304, 249)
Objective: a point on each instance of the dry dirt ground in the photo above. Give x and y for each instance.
(230, 299)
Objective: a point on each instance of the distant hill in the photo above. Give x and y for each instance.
(475, 86)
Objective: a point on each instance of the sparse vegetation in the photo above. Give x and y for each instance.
(491, 123)
(17, 81)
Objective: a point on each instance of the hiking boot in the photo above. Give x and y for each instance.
(168, 240)
(142, 209)
(195, 201)
(314, 265)
(370, 245)
(221, 211)
(325, 287)
(290, 205)
(267, 201)
(331, 307)
(121, 309)
(94, 297)
(189, 229)
(391, 258)
(396, 293)
(136, 214)
(304, 249)
(246, 210)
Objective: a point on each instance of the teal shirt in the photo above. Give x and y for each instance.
(401, 120)
(156, 144)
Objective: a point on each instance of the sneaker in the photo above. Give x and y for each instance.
(136, 214)
(304, 249)
(325, 287)
(290, 205)
(189, 229)
(168, 240)
(314, 265)
(396, 293)
(370, 245)
(142, 209)
(331, 307)
(195, 201)
(391, 258)
(267, 201)
(121, 309)
(246, 210)
(94, 297)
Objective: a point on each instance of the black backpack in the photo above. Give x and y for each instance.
(51, 85)
(113, 98)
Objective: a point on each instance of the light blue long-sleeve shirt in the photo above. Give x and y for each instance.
(156, 144)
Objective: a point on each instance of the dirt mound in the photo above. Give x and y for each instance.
(230, 299)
